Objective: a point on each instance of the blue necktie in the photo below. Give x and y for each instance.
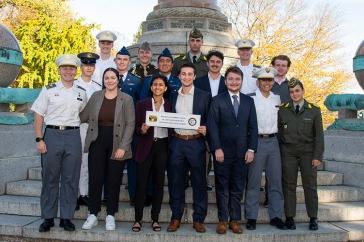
(236, 105)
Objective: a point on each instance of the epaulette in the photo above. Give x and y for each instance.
(51, 85)
(284, 105)
(181, 56)
(251, 94)
(97, 83)
(310, 105)
(81, 88)
(203, 58)
(256, 66)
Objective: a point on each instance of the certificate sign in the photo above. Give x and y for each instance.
(172, 120)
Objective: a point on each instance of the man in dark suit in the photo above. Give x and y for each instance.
(213, 82)
(187, 150)
(233, 133)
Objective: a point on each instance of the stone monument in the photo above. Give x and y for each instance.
(171, 21)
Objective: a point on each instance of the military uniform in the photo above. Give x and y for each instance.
(60, 107)
(302, 140)
(141, 72)
(200, 64)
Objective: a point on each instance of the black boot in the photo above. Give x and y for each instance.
(46, 225)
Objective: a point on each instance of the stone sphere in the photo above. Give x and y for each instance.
(11, 57)
(358, 65)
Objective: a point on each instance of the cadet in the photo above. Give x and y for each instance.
(245, 51)
(144, 68)
(165, 64)
(58, 106)
(268, 155)
(302, 146)
(281, 63)
(106, 43)
(88, 61)
(129, 84)
(194, 55)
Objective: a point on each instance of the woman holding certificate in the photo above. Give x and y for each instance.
(151, 152)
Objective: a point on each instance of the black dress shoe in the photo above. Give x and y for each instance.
(278, 223)
(251, 224)
(290, 224)
(46, 225)
(313, 224)
(83, 200)
(148, 201)
(67, 225)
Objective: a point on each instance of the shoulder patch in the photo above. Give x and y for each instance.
(97, 83)
(49, 86)
(81, 88)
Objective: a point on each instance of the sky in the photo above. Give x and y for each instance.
(124, 17)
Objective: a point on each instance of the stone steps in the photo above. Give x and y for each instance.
(324, 178)
(13, 227)
(334, 193)
(340, 211)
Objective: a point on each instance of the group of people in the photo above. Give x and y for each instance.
(252, 120)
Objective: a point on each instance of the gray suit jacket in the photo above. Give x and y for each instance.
(124, 121)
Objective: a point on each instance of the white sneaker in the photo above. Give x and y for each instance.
(90, 222)
(110, 222)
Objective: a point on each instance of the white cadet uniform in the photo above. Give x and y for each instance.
(90, 87)
(267, 157)
(249, 82)
(101, 66)
(60, 107)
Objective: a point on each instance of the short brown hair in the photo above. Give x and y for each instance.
(281, 57)
(234, 69)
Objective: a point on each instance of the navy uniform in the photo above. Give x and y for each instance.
(302, 141)
(267, 157)
(139, 70)
(199, 61)
(174, 82)
(59, 108)
(87, 58)
(130, 85)
(249, 82)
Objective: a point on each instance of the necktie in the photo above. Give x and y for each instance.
(236, 104)
(121, 81)
(194, 59)
(297, 110)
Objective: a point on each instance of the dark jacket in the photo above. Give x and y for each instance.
(234, 135)
(145, 141)
(204, 84)
(303, 129)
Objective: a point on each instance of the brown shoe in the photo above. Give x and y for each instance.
(173, 225)
(235, 227)
(221, 228)
(199, 227)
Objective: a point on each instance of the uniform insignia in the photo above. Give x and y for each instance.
(49, 86)
(182, 56)
(81, 88)
(267, 69)
(96, 83)
(204, 58)
(285, 126)
(256, 66)
(285, 105)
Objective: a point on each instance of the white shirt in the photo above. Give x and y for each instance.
(159, 132)
(279, 81)
(214, 85)
(90, 87)
(184, 104)
(101, 66)
(59, 105)
(249, 82)
(267, 112)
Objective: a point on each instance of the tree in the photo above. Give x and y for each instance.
(308, 36)
(138, 34)
(45, 29)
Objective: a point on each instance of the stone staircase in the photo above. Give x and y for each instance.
(341, 216)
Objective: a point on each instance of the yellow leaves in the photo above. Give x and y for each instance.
(46, 29)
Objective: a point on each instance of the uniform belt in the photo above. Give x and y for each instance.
(187, 137)
(267, 135)
(61, 127)
(159, 139)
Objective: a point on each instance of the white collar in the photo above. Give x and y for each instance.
(191, 92)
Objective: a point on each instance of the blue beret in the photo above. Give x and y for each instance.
(123, 51)
(166, 53)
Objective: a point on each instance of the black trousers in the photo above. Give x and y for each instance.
(104, 171)
(154, 164)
